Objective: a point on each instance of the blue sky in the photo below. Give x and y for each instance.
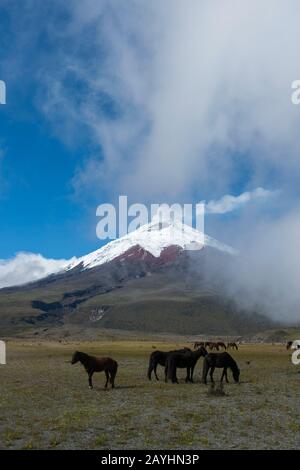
(39, 210)
(37, 206)
(155, 100)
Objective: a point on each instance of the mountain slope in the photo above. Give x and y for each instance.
(152, 239)
(134, 291)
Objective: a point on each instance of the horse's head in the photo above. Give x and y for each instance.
(75, 357)
(236, 374)
(201, 351)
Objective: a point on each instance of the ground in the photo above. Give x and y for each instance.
(45, 402)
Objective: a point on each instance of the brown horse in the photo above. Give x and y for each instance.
(211, 345)
(289, 344)
(232, 346)
(97, 364)
(221, 344)
(224, 360)
(160, 357)
(186, 360)
(198, 344)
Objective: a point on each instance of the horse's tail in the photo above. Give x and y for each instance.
(113, 372)
(150, 368)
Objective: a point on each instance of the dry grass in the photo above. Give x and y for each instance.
(46, 403)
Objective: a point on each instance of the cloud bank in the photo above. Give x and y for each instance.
(265, 276)
(180, 101)
(27, 267)
(230, 203)
(177, 97)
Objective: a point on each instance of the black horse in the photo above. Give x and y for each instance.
(97, 364)
(160, 357)
(186, 360)
(213, 360)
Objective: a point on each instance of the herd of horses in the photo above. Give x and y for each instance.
(215, 345)
(187, 359)
(171, 361)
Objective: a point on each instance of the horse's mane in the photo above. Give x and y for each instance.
(201, 351)
(82, 355)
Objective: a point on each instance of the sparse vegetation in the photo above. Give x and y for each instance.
(46, 403)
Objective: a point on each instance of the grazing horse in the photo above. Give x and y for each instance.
(289, 344)
(97, 364)
(221, 344)
(186, 360)
(160, 357)
(198, 344)
(232, 346)
(213, 360)
(212, 345)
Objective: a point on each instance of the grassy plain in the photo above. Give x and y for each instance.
(45, 403)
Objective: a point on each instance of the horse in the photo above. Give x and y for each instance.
(186, 360)
(223, 359)
(232, 346)
(289, 344)
(198, 344)
(221, 344)
(160, 357)
(212, 345)
(97, 364)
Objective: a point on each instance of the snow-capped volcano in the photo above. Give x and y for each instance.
(153, 238)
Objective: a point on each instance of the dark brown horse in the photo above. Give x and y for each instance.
(289, 344)
(232, 346)
(186, 360)
(211, 345)
(221, 344)
(198, 344)
(224, 360)
(159, 358)
(97, 364)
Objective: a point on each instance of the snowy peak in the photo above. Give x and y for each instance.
(153, 238)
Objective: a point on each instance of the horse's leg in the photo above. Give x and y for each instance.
(90, 379)
(174, 376)
(226, 378)
(223, 374)
(155, 373)
(192, 374)
(112, 379)
(150, 369)
(204, 373)
(211, 374)
(107, 378)
(166, 372)
(188, 374)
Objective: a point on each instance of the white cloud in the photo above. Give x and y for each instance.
(266, 275)
(194, 87)
(202, 92)
(229, 203)
(26, 267)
